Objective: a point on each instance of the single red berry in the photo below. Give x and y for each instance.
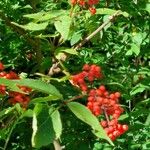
(102, 88)
(117, 94)
(124, 127)
(73, 2)
(116, 133)
(92, 10)
(86, 67)
(1, 67)
(111, 136)
(104, 123)
(81, 3)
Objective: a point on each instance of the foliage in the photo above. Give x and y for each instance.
(45, 43)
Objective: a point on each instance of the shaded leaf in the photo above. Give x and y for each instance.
(44, 99)
(43, 132)
(86, 116)
(57, 124)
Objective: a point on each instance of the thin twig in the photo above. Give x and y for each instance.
(106, 115)
(57, 145)
(111, 18)
(74, 98)
(10, 133)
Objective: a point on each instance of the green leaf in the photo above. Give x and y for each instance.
(66, 50)
(86, 116)
(138, 89)
(43, 132)
(6, 111)
(77, 36)
(11, 85)
(116, 84)
(143, 102)
(62, 25)
(28, 113)
(147, 122)
(44, 99)
(40, 86)
(147, 8)
(137, 38)
(57, 124)
(135, 48)
(45, 16)
(129, 53)
(32, 26)
(124, 116)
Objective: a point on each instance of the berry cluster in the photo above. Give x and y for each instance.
(100, 101)
(113, 128)
(89, 73)
(14, 97)
(86, 4)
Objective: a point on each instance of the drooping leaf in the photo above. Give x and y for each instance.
(57, 124)
(86, 116)
(43, 132)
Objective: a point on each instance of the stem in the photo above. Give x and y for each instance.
(9, 135)
(111, 18)
(106, 115)
(57, 145)
(74, 98)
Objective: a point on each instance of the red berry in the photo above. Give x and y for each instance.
(102, 88)
(86, 67)
(111, 136)
(92, 10)
(117, 94)
(103, 123)
(1, 67)
(73, 2)
(124, 127)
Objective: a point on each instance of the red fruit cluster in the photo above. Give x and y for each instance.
(87, 4)
(89, 73)
(113, 128)
(100, 101)
(14, 97)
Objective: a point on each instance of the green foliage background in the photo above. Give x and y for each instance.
(33, 33)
